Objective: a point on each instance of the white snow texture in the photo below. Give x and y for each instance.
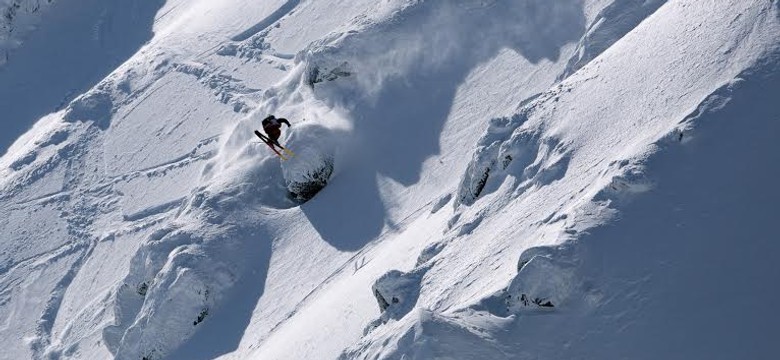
(472, 179)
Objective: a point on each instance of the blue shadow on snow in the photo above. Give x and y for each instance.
(400, 127)
(79, 45)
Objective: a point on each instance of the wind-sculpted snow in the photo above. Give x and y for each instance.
(96, 106)
(611, 24)
(226, 88)
(312, 166)
(180, 274)
(441, 336)
(610, 278)
(546, 278)
(532, 161)
(397, 293)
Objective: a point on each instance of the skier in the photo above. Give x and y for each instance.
(273, 128)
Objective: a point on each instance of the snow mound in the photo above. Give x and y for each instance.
(181, 274)
(545, 279)
(396, 293)
(96, 105)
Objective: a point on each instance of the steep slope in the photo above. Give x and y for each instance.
(660, 281)
(687, 262)
(485, 161)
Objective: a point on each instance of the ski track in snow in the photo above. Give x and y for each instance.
(49, 315)
(77, 206)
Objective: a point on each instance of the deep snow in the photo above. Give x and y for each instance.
(505, 179)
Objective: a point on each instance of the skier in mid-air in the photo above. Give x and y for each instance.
(273, 127)
(273, 130)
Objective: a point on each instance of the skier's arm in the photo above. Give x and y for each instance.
(283, 121)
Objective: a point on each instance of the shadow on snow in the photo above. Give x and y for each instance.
(78, 45)
(399, 128)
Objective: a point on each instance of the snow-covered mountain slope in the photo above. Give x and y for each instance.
(473, 179)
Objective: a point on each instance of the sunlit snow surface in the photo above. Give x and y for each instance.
(505, 179)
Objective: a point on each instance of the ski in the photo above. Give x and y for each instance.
(271, 144)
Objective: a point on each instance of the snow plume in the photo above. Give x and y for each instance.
(316, 137)
(428, 36)
(183, 265)
(188, 269)
(339, 80)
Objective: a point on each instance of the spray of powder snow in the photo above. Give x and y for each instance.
(316, 136)
(425, 37)
(338, 79)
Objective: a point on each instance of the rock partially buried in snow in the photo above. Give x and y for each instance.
(96, 105)
(545, 279)
(396, 293)
(307, 183)
(313, 165)
(318, 73)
